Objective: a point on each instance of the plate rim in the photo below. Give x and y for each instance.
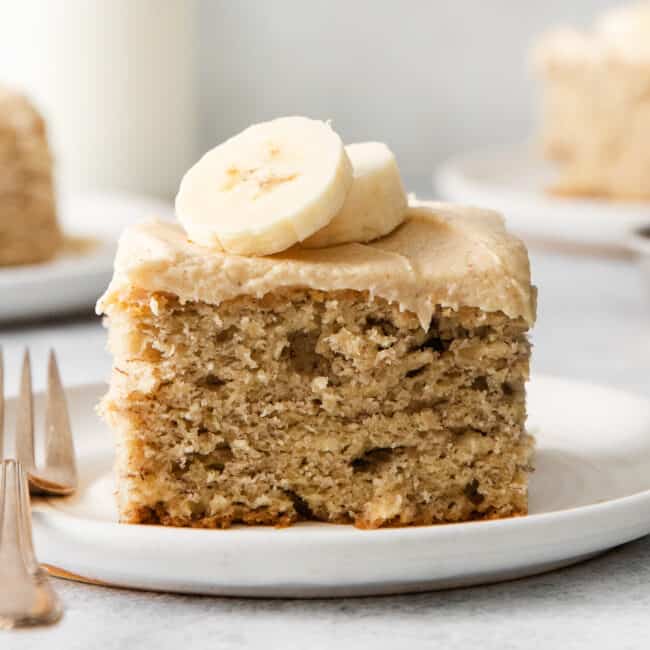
(450, 170)
(538, 215)
(89, 271)
(102, 252)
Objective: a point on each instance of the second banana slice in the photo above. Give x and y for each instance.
(376, 203)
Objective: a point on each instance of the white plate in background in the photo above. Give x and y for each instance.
(76, 277)
(516, 181)
(590, 492)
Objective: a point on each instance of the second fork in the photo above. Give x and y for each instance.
(57, 476)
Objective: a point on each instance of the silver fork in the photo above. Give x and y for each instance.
(58, 476)
(26, 597)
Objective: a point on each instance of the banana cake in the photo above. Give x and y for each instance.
(29, 231)
(596, 104)
(376, 382)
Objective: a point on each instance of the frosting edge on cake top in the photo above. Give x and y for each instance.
(443, 254)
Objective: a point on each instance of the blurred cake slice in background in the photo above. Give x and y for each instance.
(596, 104)
(29, 231)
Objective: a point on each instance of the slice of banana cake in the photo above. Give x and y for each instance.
(378, 384)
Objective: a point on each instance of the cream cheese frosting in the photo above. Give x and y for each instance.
(442, 255)
(621, 33)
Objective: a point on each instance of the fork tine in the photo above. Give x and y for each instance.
(25, 420)
(59, 445)
(2, 405)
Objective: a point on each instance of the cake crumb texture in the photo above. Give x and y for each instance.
(315, 405)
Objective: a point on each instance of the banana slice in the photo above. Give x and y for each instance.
(376, 203)
(265, 189)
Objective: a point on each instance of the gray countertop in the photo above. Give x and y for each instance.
(593, 325)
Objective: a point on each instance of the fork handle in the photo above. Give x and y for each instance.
(26, 597)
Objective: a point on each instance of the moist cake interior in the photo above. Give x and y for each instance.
(326, 405)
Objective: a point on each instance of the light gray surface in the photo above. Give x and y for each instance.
(593, 325)
(600, 604)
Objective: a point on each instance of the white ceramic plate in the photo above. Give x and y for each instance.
(515, 182)
(590, 492)
(75, 278)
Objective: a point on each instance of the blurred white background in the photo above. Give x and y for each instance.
(117, 82)
(430, 78)
(134, 90)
